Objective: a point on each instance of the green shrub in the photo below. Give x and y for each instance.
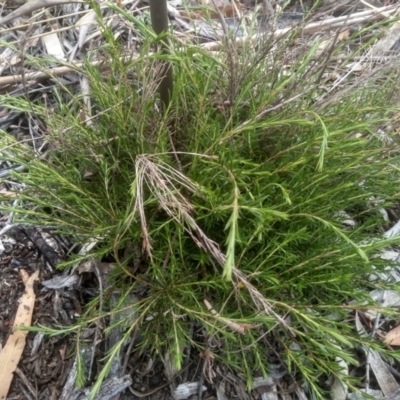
(233, 197)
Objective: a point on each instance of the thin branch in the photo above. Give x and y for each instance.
(159, 21)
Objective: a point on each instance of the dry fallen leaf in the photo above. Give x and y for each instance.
(393, 337)
(53, 46)
(4, 192)
(344, 34)
(12, 351)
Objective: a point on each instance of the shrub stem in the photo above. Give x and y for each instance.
(159, 21)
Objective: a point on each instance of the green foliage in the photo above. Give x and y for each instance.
(234, 196)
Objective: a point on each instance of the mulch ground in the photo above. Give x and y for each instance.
(46, 360)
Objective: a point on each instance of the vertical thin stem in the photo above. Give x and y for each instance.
(159, 21)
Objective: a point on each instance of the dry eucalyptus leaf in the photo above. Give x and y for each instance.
(53, 46)
(60, 282)
(4, 192)
(393, 337)
(185, 390)
(12, 351)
